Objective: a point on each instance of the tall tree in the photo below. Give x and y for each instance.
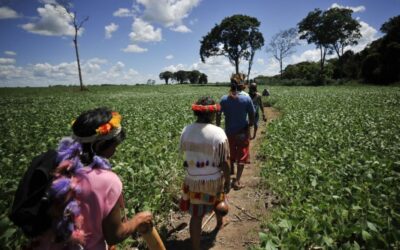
(194, 76)
(314, 30)
(344, 30)
(256, 42)
(78, 24)
(166, 75)
(232, 38)
(181, 76)
(203, 79)
(330, 30)
(282, 45)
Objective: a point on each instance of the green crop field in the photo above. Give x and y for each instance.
(333, 157)
(334, 160)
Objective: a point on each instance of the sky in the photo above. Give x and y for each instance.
(130, 42)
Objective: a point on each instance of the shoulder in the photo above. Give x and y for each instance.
(217, 132)
(103, 179)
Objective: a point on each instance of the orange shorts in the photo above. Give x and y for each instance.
(239, 147)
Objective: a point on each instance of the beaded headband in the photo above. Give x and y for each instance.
(206, 108)
(105, 131)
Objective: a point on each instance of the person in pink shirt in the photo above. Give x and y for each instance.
(86, 194)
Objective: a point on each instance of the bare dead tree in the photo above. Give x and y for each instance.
(282, 45)
(77, 26)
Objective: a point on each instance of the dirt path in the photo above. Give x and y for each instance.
(246, 206)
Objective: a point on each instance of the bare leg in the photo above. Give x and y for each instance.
(195, 231)
(238, 184)
(255, 132)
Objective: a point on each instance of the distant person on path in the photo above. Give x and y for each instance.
(239, 112)
(206, 153)
(265, 92)
(86, 194)
(257, 102)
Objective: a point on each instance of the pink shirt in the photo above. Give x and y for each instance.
(101, 190)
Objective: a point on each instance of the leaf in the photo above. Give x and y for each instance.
(314, 183)
(372, 226)
(270, 246)
(285, 224)
(365, 235)
(328, 240)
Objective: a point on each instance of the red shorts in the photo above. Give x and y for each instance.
(239, 147)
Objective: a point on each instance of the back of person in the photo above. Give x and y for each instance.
(235, 109)
(100, 190)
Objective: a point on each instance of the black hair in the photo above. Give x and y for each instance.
(252, 90)
(86, 125)
(204, 117)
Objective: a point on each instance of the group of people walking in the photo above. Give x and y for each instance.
(87, 195)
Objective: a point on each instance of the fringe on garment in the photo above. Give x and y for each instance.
(219, 152)
(205, 185)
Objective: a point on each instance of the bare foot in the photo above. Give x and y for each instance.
(237, 185)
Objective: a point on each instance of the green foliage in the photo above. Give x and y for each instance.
(332, 158)
(331, 30)
(148, 162)
(166, 75)
(236, 37)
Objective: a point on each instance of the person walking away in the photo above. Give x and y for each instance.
(257, 102)
(206, 153)
(239, 114)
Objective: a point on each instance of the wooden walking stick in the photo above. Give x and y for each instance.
(153, 239)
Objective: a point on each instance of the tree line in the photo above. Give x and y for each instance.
(183, 76)
(332, 32)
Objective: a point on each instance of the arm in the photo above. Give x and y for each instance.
(115, 230)
(261, 107)
(226, 169)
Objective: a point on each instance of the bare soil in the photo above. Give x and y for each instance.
(247, 207)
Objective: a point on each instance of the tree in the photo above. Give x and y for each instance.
(203, 79)
(194, 76)
(344, 30)
(331, 30)
(232, 38)
(282, 45)
(77, 27)
(256, 42)
(166, 75)
(181, 76)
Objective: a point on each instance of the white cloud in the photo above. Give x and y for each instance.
(260, 61)
(181, 29)
(166, 12)
(174, 68)
(311, 55)
(53, 21)
(123, 12)
(143, 31)
(368, 35)
(93, 72)
(8, 13)
(133, 48)
(169, 57)
(271, 68)
(112, 27)
(10, 53)
(7, 61)
(360, 8)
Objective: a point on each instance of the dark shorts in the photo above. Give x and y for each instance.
(239, 145)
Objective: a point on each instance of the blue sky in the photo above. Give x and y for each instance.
(129, 42)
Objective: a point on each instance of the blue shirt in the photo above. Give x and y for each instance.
(236, 109)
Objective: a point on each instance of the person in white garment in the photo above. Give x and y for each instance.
(206, 154)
